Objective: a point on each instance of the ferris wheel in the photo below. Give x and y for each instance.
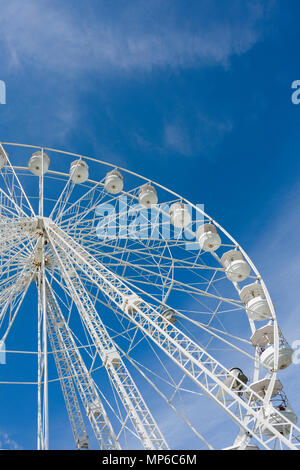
(143, 319)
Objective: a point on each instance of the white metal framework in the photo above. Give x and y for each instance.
(150, 319)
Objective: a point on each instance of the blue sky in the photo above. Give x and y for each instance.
(195, 95)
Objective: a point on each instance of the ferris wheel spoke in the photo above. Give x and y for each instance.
(85, 205)
(196, 293)
(127, 390)
(142, 256)
(62, 200)
(75, 206)
(118, 261)
(42, 388)
(126, 333)
(200, 366)
(222, 340)
(72, 365)
(13, 243)
(80, 213)
(13, 298)
(61, 205)
(126, 207)
(147, 270)
(9, 207)
(130, 396)
(145, 337)
(169, 402)
(176, 285)
(15, 189)
(70, 397)
(65, 376)
(210, 329)
(13, 259)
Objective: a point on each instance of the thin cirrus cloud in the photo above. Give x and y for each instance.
(7, 443)
(206, 134)
(69, 45)
(63, 47)
(131, 36)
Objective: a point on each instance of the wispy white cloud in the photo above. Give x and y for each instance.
(177, 138)
(7, 443)
(206, 133)
(62, 47)
(135, 35)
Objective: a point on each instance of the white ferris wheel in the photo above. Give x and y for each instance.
(133, 311)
